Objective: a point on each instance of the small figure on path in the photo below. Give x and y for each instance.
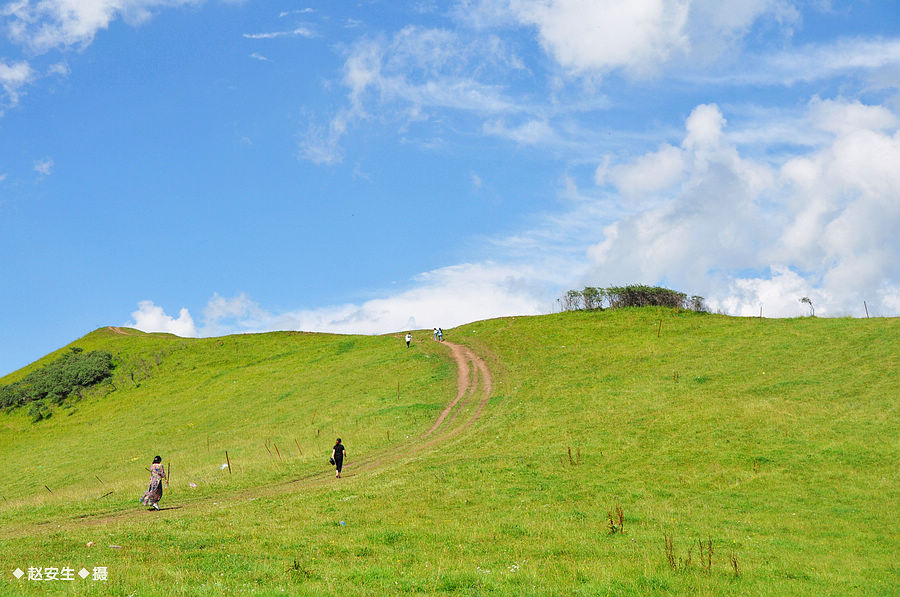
(440, 335)
(157, 479)
(408, 339)
(435, 333)
(337, 457)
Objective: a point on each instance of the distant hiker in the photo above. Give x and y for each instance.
(440, 335)
(157, 479)
(408, 339)
(337, 456)
(435, 333)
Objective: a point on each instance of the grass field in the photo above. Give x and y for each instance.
(775, 441)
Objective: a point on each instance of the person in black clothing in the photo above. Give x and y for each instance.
(337, 455)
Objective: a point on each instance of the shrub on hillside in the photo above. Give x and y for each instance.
(634, 295)
(53, 383)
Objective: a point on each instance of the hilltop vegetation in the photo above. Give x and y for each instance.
(60, 380)
(614, 442)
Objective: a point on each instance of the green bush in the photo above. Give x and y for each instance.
(633, 295)
(57, 381)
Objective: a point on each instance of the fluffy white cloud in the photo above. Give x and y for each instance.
(647, 174)
(587, 35)
(776, 296)
(841, 117)
(152, 318)
(445, 298)
(46, 24)
(745, 233)
(638, 37)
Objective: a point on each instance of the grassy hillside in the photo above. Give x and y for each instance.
(775, 440)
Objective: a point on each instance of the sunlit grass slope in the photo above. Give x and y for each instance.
(275, 402)
(775, 440)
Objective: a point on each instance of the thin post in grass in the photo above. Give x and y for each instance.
(98, 478)
(760, 311)
(398, 390)
(298, 446)
(228, 462)
(571, 462)
(48, 489)
(866, 308)
(267, 448)
(278, 452)
(104, 495)
(659, 329)
(706, 559)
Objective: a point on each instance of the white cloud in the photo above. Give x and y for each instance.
(13, 77)
(842, 117)
(297, 32)
(321, 145)
(637, 37)
(874, 57)
(415, 70)
(43, 167)
(49, 24)
(431, 67)
(152, 318)
(776, 296)
(588, 35)
(445, 297)
(59, 68)
(259, 57)
(744, 233)
(285, 13)
(532, 132)
(647, 174)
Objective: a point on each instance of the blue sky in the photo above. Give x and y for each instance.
(213, 167)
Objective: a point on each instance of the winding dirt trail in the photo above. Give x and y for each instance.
(474, 385)
(473, 382)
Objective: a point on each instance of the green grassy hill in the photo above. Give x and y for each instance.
(777, 441)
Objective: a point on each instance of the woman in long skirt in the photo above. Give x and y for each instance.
(157, 479)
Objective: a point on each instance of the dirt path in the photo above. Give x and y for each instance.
(473, 383)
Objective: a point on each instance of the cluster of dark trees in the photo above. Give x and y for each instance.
(57, 381)
(635, 295)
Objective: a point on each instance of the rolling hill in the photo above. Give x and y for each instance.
(625, 452)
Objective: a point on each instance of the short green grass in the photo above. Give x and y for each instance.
(777, 440)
